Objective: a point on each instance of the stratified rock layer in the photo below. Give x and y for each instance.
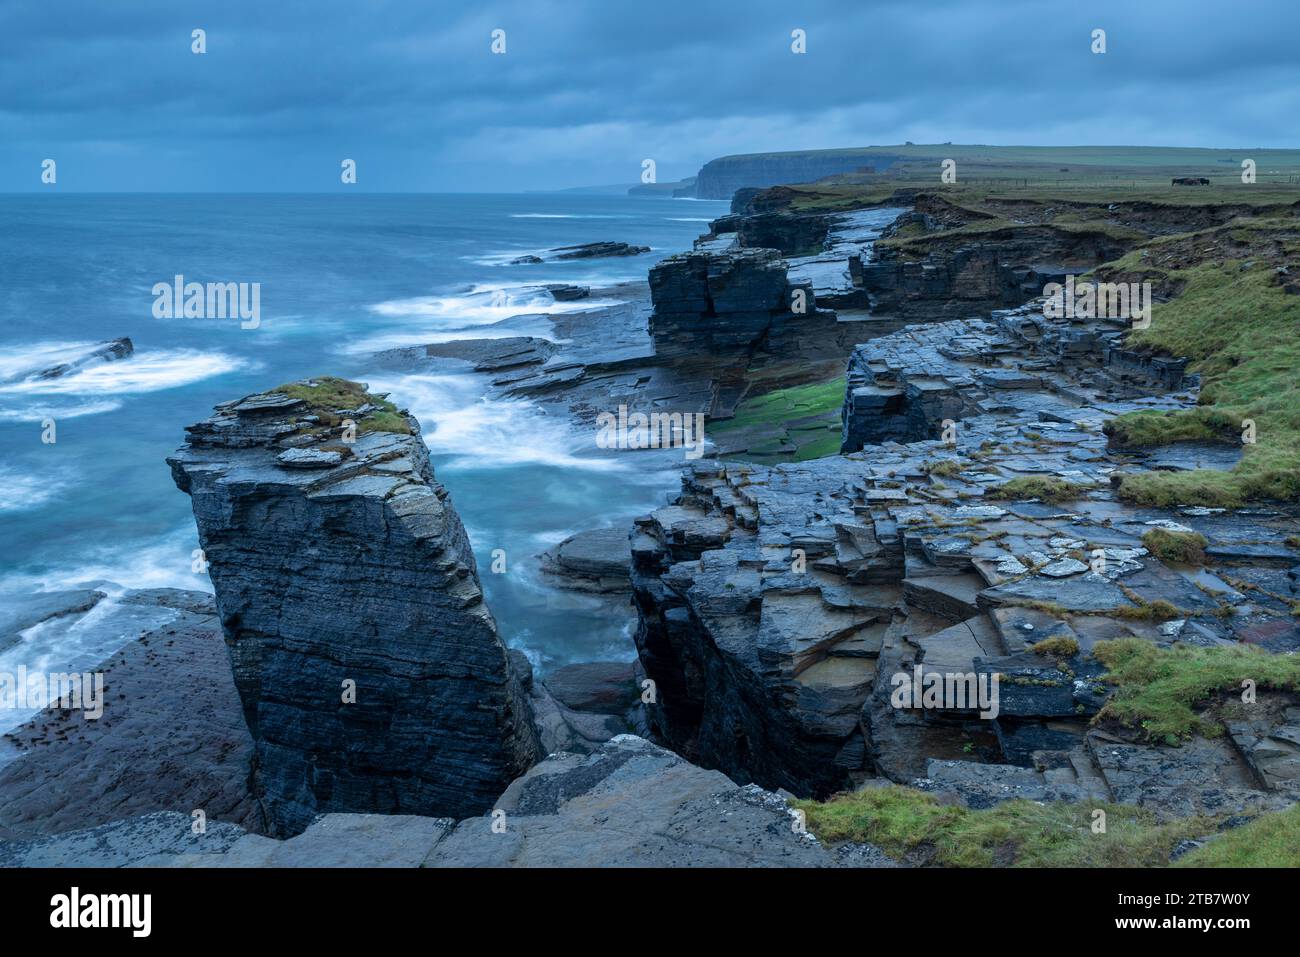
(356, 575)
(780, 605)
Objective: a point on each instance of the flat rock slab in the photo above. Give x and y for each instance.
(22, 612)
(332, 840)
(172, 737)
(605, 687)
(633, 804)
(129, 842)
(597, 560)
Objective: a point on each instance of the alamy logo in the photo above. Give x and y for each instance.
(214, 300)
(935, 690)
(103, 910)
(1098, 300)
(77, 691)
(658, 430)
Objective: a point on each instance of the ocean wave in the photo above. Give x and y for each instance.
(569, 216)
(58, 411)
(536, 326)
(24, 490)
(163, 562)
(485, 303)
(491, 433)
(24, 359)
(143, 372)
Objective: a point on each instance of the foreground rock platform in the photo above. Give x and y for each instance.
(171, 737)
(630, 804)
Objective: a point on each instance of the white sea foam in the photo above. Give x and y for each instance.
(163, 562)
(568, 216)
(491, 433)
(480, 312)
(23, 490)
(483, 304)
(21, 359)
(143, 372)
(46, 410)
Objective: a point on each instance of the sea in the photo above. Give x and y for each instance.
(340, 278)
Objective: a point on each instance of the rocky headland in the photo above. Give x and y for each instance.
(916, 470)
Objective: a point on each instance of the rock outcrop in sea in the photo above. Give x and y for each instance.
(370, 670)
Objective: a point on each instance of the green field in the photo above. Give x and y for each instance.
(1224, 260)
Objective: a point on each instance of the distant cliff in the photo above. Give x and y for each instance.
(370, 670)
(720, 178)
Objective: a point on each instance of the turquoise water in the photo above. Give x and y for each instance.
(340, 278)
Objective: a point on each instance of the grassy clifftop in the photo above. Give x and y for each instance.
(1235, 312)
(1223, 261)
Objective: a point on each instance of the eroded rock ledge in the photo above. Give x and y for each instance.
(776, 603)
(339, 562)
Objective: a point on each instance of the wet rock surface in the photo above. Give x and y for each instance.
(109, 351)
(598, 250)
(171, 736)
(597, 560)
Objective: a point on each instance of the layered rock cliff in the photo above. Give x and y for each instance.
(721, 177)
(780, 605)
(370, 670)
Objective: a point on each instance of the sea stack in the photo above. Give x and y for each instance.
(369, 667)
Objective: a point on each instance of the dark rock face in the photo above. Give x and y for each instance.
(605, 687)
(970, 281)
(780, 604)
(960, 279)
(355, 575)
(722, 177)
(760, 671)
(729, 305)
(104, 352)
(567, 292)
(599, 250)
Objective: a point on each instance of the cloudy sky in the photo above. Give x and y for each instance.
(587, 89)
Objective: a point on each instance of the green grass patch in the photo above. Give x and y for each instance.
(1242, 332)
(1052, 490)
(943, 467)
(907, 823)
(1185, 547)
(327, 395)
(1058, 647)
(805, 417)
(1271, 840)
(1160, 689)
